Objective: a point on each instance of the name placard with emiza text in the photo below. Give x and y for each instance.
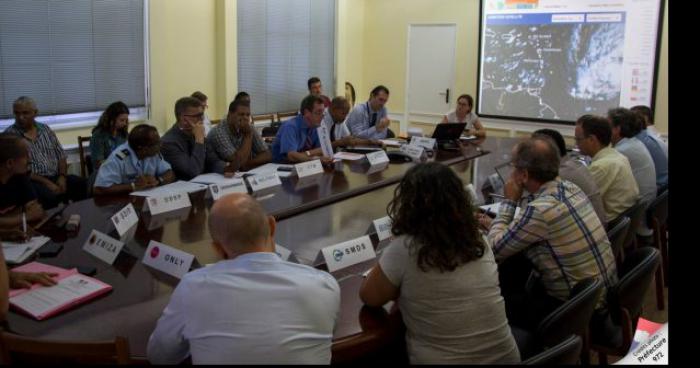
(102, 246)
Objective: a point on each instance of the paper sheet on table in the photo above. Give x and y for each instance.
(172, 188)
(467, 137)
(214, 178)
(271, 168)
(390, 142)
(494, 207)
(348, 156)
(19, 252)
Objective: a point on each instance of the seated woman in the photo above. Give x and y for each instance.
(464, 114)
(442, 273)
(111, 131)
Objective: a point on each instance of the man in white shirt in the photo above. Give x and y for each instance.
(252, 307)
(334, 119)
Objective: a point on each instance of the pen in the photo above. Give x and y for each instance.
(24, 221)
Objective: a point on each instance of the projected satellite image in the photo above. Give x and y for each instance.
(552, 71)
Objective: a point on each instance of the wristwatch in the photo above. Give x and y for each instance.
(308, 154)
(133, 187)
(160, 180)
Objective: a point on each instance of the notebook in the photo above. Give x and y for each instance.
(19, 252)
(42, 302)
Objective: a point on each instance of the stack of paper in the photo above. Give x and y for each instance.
(214, 178)
(172, 188)
(42, 302)
(348, 156)
(19, 252)
(272, 168)
(390, 142)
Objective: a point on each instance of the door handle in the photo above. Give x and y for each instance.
(447, 95)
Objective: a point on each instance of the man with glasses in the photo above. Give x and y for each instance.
(610, 169)
(297, 139)
(184, 145)
(558, 231)
(369, 120)
(236, 141)
(135, 165)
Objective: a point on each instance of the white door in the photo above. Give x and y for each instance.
(431, 70)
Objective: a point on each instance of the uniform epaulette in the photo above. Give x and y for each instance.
(123, 154)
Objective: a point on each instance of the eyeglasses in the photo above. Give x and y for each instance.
(197, 116)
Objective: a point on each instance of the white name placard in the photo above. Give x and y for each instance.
(283, 252)
(264, 181)
(103, 246)
(308, 168)
(167, 259)
(377, 168)
(414, 151)
(219, 190)
(383, 228)
(348, 253)
(377, 157)
(125, 219)
(166, 203)
(425, 142)
(325, 139)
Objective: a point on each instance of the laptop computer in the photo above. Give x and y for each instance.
(447, 135)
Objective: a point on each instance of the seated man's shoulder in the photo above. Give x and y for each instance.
(312, 274)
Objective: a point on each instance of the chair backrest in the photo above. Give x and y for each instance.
(83, 159)
(270, 117)
(288, 114)
(15, 348)
(636, 215)
(270, 131)
(573, 316)
(636, 276)
(658, 208)
(566, 352)
(617, 234)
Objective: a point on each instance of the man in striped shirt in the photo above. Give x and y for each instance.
(558, 231)
(47, 160)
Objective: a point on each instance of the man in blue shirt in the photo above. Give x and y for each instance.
(369, 120)
(657, 154)
(135, 165)
(297, 139)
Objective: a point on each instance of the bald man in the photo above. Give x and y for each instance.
(251, 307)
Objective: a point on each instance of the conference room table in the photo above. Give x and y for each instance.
(312, 213)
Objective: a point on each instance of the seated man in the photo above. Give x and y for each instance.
(135, 165)
(184, 145)
(625, 126)
(369, 120)
(236, 141)
(297, 139)
(558, 231)
(609, 168)
(648, 123)
(655, 146)
(314, 85)
(334, 120)
(18, 201)
(251, 307)
(576, 172)
(48, 163)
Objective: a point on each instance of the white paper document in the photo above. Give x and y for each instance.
(390, 142)
(348, 156)
(19, 252)
(494, 207)
(172, 188)
(42, 300)
(214, 178)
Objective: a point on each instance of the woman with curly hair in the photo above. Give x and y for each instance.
(442, 273)
(111, 131)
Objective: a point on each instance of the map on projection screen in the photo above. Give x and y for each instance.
(558, 60)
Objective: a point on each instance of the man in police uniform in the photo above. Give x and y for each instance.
(135, 165)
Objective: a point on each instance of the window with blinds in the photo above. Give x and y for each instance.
(72, 56)
(281, 44)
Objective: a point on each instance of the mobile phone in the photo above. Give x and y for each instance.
(50, 250)
(85, 270)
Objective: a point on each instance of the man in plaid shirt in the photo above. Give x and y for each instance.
(558, 232)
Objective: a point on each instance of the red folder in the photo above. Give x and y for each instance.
(101, 288)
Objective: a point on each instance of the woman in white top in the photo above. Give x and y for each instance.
(464, 114)
(442, 273)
